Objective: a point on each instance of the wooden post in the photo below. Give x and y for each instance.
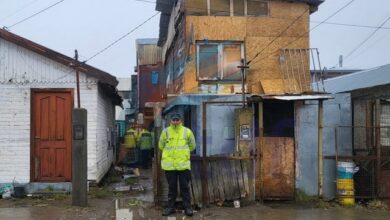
(243, 68)
(320, 146)
(157, 110)
(76, 57)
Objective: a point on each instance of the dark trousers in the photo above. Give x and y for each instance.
(145, 158)
(184, 178)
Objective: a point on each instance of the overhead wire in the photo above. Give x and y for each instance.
(352, 25)
(120, 38)
(365, 40)
(370, 46)
(37, 13)
(18, 10)
(304, 34)
(275, 38)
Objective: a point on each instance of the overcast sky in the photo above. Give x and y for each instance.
(91, 25)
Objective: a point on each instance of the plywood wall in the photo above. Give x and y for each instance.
(257, 33)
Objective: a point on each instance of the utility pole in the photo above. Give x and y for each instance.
(243, 68)
(76, 57)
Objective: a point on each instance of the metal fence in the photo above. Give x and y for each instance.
(370, 151)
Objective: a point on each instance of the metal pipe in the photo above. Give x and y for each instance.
(378, 145)
(260, 153)
(320, 147)
(204, 156)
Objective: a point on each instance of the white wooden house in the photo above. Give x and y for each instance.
(38, 92)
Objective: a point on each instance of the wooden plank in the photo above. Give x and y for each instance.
(193, 186)
(199, 182)
(218, 172)
(214, 181)
(210, 184)
(227, 180)
(243, 192)
(234, 175)
(246, 180)
(196, 183)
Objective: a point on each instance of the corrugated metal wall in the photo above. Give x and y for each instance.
(148, 54)
(337, 112)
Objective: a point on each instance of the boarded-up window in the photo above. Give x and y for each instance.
(231, 59)
(239, 7)
(257, 7)
(208, 62)
(196, 7)
(220, 7)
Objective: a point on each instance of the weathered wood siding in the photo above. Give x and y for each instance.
(257, 33)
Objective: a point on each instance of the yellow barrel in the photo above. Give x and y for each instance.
(345, 190)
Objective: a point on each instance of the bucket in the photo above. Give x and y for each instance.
(345, 170)
(344, 183)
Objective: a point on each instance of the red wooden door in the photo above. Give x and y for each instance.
(51, 136)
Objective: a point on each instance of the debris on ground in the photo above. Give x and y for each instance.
(377, 204)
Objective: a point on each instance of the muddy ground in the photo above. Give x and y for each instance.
(105, 204)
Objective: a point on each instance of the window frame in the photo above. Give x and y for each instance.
(220, 74)
(245, 8)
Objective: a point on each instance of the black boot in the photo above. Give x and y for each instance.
(188, 211)
(168, 211)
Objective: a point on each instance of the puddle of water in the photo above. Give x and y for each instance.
(134, 208)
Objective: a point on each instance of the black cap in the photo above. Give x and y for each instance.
(176, 116)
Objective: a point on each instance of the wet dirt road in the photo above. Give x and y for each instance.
(133, 206)
(130, 208)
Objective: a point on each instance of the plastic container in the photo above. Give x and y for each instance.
(345, 184)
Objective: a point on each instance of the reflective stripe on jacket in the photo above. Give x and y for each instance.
(176, 143)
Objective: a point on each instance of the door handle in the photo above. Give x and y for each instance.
(37, 137)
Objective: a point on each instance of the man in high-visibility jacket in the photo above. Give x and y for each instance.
(130, 142)
(145, 144)
(176, 142)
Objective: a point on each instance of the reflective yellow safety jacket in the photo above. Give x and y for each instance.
(130, 138)
(176, 143)
(145, 140)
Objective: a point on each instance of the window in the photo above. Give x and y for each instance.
(257, 8)
(227, 7)
(208, 62)
(154, 77)
(196, 7)
(239, 7)
(219, 61)
(220, 7)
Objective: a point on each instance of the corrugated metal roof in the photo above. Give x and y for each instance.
(359, 80)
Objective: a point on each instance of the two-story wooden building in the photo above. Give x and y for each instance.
(230, 50)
